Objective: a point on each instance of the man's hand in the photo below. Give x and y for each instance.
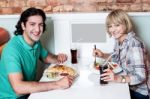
(51, 58)
(61, 58)
(65, 82)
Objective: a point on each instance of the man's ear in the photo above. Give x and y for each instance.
(23, 26)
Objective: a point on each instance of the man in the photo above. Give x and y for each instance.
(19, 59)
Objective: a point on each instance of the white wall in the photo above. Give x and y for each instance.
(57, 38)
(8, 22)
(62, 31)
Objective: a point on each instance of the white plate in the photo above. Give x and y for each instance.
(93, 69)
(117, 69)
(100, 61)
(45, 78)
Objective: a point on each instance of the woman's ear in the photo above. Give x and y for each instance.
(23, 26)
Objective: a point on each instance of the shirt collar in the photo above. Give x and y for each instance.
(26, 45)
(129, 36)
(125, 42)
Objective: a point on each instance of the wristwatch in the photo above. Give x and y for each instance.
(123, 79)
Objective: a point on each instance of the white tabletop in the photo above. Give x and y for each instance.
(86, 85)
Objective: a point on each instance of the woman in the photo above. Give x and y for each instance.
(129, 52)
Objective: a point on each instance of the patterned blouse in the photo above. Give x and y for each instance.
(133, 58)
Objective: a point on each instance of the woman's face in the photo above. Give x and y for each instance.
(33, 29)
(118, 31)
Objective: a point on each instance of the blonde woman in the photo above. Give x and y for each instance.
(129, 53)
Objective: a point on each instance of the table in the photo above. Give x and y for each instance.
(86, 86)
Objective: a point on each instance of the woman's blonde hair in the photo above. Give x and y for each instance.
(119, 17)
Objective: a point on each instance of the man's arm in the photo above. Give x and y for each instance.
(51, 58)
(26, 87)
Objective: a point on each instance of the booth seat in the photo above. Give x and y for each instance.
(4, 37)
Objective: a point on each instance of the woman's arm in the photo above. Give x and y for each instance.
(99, 53)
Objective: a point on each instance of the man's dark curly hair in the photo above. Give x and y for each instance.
(24, 18)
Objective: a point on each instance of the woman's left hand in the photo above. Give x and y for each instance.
(61, 58)
(108, 75)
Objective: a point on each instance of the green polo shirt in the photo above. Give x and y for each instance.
(18, 56)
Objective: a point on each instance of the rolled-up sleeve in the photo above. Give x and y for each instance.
(136, 66)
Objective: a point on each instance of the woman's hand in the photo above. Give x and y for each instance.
(98, 53)
(108, 75)
(61, 58)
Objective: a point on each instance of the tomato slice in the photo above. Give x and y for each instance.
(97, 67)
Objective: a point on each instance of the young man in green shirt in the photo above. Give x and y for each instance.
(19, 59)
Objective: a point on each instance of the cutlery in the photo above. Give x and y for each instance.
(110, 65)
(107, 60)
(95, 56)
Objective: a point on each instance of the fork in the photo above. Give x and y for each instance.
(95, 56)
